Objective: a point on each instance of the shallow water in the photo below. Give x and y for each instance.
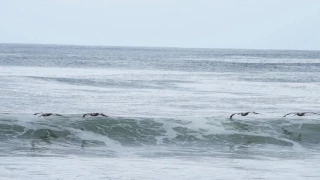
(156, 168)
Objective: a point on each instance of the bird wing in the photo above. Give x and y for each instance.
(37, 113)
(58, 114)
(255, 113)
(103, 114)
(312, 113)
(288, 114)
(84, 115)
(233, 115)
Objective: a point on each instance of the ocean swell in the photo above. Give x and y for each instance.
(28, 131)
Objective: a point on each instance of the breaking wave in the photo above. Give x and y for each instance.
(72, 132)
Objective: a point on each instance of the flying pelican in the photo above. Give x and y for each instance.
(47, 114)
(94, 114)
(243, 114)
(300, 114)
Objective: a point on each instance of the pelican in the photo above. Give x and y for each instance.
(300, 114)
(94, 114)
(243, 114)
(47, 114)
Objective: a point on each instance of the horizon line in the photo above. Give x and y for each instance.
(164, 47)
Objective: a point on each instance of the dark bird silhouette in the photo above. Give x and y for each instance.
(300, 114)
(243, 114)
(47, 114)
(94, 114)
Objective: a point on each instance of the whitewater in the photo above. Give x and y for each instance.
(168, 113)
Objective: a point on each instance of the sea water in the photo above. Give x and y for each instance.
(168, 113)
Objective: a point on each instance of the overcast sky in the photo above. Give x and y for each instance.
(245, 24)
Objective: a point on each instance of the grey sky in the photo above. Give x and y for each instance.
(254, 24)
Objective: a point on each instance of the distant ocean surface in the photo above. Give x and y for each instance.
(168, 113)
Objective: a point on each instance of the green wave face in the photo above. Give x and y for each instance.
(105, 134)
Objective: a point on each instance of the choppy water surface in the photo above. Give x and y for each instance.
(168, 113)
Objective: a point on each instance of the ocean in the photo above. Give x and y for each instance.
(168, 113)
